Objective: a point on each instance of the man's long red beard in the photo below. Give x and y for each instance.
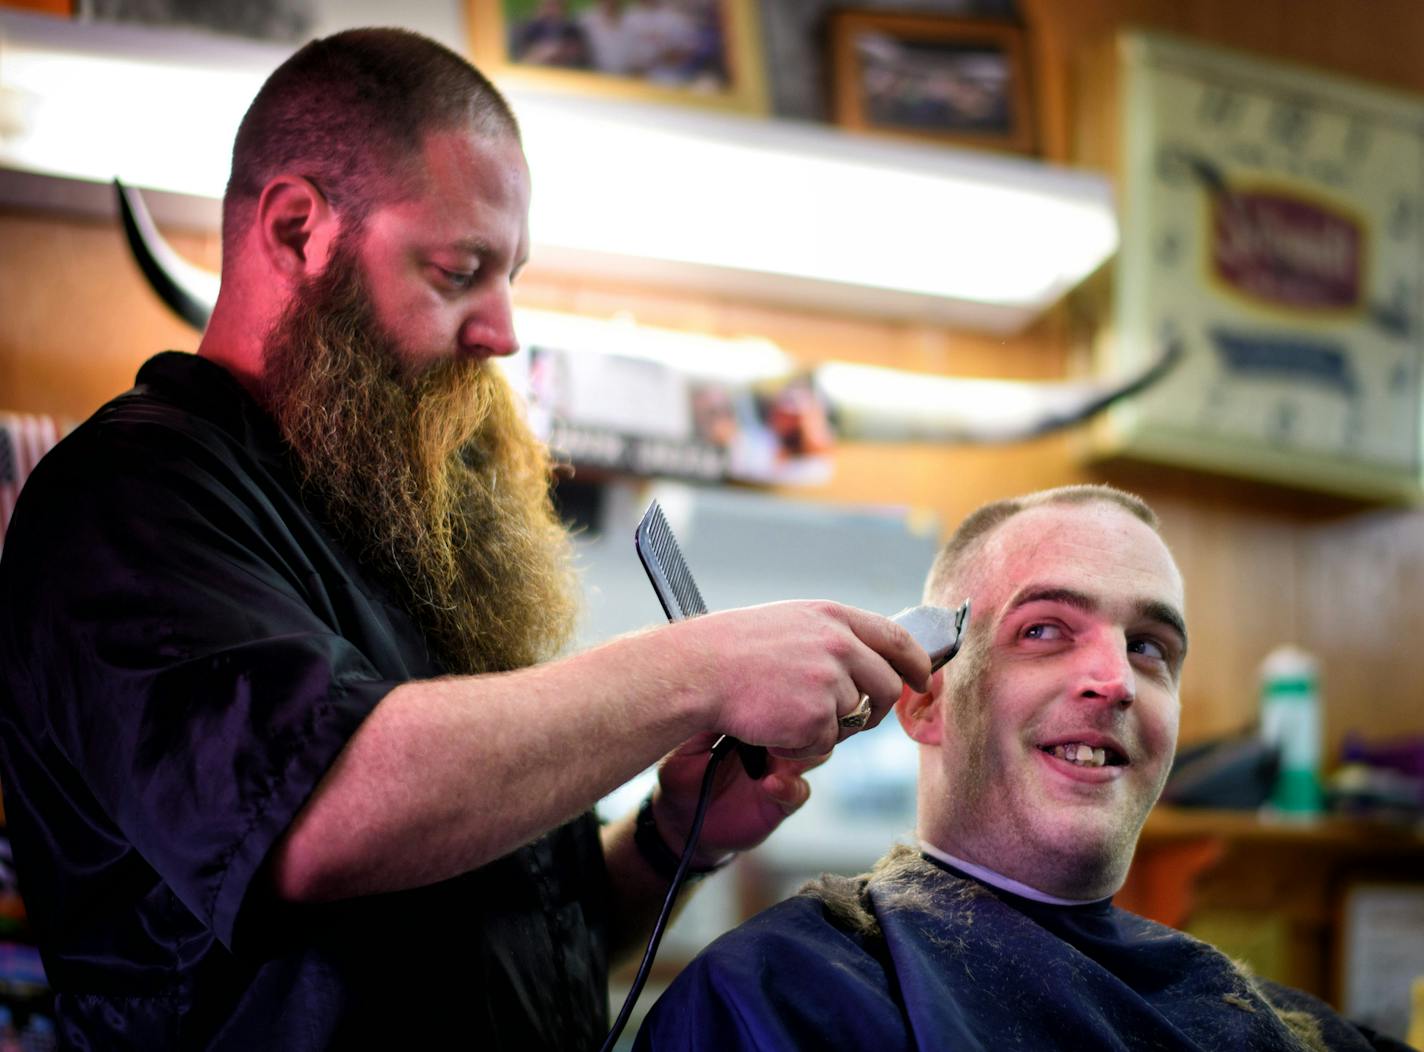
(432, 479)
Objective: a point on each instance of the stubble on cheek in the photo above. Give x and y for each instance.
(968, 717)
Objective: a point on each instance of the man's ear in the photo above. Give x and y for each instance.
(296, 225)
(920, 714)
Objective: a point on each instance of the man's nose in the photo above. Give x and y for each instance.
(488, 330)
(1107, 672)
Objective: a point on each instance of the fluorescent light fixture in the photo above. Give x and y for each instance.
(747, 208)
(155, 108)
(781, 202)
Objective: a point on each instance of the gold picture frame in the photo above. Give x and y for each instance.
(959, 81)
(709, 58)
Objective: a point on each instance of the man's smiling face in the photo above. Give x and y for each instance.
(1057, 725)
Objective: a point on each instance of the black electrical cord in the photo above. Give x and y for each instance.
(723, 746)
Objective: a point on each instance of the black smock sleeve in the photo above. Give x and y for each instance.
(174, 640)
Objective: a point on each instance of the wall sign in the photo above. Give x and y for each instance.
(1274, 222)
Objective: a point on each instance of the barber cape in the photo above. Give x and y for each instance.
(916, 955)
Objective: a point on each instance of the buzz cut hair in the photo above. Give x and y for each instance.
(979, 524)
(350, 112)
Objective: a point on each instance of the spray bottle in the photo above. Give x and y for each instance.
(1290, 720)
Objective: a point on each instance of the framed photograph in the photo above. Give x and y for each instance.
(695, 52)
(1381, 953)
(956, 80)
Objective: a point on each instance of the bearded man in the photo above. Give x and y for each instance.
(287, 761)
(1042, 748)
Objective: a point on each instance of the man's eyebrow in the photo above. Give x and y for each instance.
(1165, 614)
(1149, 609)
(1049, 594)
(474, 246)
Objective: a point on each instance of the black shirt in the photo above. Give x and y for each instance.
(183, 653)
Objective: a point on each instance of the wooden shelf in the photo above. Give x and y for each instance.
(1166, 824)
(1275, 885)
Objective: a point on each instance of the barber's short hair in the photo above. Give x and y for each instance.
(350, 112)
(979, 524)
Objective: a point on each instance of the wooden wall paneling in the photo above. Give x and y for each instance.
(1381, 41)
(78, 318)
(947, 481)
(1239, 565)
(1362, 611)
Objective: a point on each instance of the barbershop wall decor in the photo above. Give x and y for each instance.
(958, 81)
(700, 52)
(1274, 223)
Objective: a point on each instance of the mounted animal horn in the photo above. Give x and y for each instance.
(188, 291)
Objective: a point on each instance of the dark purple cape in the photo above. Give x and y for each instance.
(922, 957)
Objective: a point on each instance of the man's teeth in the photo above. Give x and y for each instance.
(1082, 754)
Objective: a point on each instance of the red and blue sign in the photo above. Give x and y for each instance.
(1286, 251)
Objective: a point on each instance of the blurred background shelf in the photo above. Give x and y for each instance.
(1271, 892)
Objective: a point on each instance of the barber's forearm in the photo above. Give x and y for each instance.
(447, 775)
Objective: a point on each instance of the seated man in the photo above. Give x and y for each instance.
(1042, 748)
